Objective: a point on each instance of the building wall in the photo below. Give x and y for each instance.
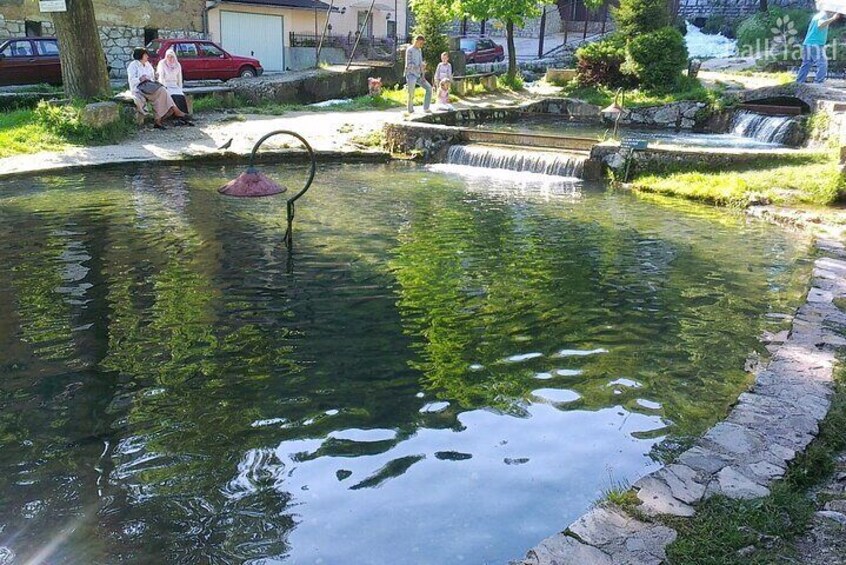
(299, 21)
(166, 14)
(343, 24)
(734, 9)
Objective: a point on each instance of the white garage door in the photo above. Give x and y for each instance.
(255, 35)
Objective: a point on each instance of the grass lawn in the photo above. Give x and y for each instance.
(391, 98)
(809, 178)
(21, 132)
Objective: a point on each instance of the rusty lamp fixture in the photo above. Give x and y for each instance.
(616, 110)
(254, 184)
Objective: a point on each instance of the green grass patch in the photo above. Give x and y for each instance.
(805, 178)
(21, 133)
(689, 89)
(390, 98)
(722, 527)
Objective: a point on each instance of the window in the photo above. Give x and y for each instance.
(368, 29)
(150, 34)
(468, 45)
(47, 48)
(32, 29)
(18, 49)
(185, 50)
(209, 50)
(392, 28)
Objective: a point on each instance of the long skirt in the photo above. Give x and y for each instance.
(181, 102)
(160, 100)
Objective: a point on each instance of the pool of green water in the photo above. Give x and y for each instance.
(449, 368)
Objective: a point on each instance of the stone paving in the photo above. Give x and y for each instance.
(739, 457)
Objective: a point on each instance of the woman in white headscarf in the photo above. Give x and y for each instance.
(169, 72)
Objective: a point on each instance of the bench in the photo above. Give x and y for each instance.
(225, 92)
(486, 80)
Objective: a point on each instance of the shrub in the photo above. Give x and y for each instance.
(510, 83)
(600, 63)
(657, 59)
(754, 32)
(65, 121)
(636, 17)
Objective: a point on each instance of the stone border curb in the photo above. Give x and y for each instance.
(741, 456)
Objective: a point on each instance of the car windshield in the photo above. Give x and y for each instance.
(468, 44)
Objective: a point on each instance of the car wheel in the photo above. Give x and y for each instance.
(500, 59)
(247, 72)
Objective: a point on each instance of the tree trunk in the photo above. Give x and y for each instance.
(512, 53)
(84, 71)
(764, 6)
(542, 33)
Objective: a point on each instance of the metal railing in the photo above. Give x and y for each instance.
(369, 48)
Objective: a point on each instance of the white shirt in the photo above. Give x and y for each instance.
(444, 71)
(135, 71)
(171, 78)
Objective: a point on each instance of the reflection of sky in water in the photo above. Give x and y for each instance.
(521, 475)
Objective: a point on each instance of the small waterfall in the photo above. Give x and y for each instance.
(517, 160)
(761, 127)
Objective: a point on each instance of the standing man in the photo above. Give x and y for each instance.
(414, 68)
(813, 48)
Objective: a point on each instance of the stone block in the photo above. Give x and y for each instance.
(100, 114)
(562, 549)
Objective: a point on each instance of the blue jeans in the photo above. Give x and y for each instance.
(813, 55)
(413, 81)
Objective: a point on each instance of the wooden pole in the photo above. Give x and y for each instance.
(542, 33)
(361, 32)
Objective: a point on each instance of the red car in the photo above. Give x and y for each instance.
(203, 60)
(481, 50)
(30, 60)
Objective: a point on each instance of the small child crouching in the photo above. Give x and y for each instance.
(443, 96)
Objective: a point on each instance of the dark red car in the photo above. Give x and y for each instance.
(30, 60)
(204, 60)
(481, 50)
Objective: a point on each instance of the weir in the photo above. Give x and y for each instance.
(761, 127)
(560, 164)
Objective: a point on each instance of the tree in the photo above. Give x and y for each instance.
(432, 19)
(635, 17)
(84, 71)
(511, 12)
(764, 6)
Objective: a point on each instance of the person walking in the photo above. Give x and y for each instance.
(813, 48)
(414, 69)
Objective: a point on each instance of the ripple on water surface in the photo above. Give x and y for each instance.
(376, 396)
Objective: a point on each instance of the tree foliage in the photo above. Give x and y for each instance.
(511, 12)
(636, 17)
(432, 19)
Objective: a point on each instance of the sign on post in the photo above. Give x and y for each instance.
(48, 6)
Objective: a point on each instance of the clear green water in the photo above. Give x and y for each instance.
(449, 369)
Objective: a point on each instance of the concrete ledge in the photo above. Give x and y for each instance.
(739, 457)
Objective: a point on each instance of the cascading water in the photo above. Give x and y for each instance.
(517, 160)
(761, 127)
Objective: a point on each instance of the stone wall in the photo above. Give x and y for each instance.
(733, 9)
(156, 14)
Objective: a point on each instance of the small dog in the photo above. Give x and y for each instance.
(374, 86)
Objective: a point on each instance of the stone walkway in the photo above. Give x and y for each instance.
(739, 457)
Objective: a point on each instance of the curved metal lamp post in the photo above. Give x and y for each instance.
(254, 184)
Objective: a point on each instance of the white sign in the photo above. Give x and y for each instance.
(833, 5)
(47, 6)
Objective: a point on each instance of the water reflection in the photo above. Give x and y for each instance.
(453, 369)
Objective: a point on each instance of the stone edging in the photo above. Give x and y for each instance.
(740, 457)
